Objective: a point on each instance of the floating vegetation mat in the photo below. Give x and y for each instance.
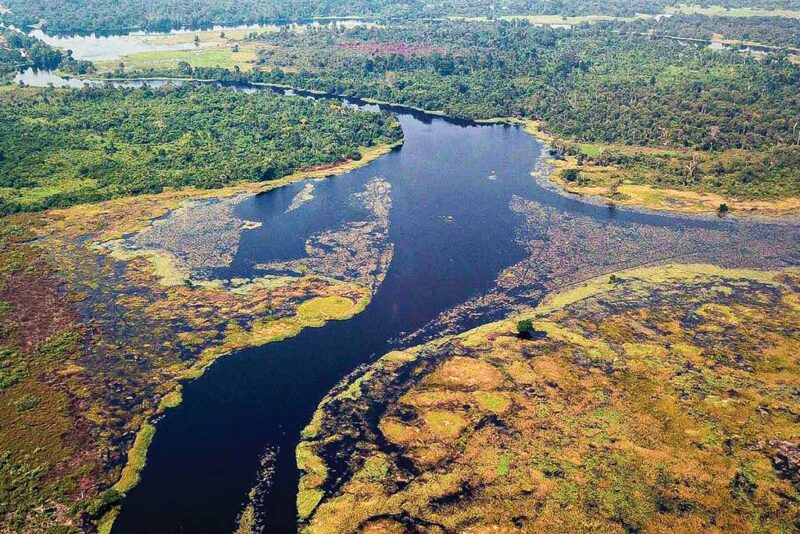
(191, 240)
(657, 399)
(565, 248)
(358, 251)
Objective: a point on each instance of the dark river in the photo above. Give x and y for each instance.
(205, 454)
(453, 231)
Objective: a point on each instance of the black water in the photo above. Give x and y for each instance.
(204, 457)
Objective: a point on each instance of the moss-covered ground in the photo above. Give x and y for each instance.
(656, 400)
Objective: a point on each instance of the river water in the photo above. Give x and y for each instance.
(455, 229)
(205, 454)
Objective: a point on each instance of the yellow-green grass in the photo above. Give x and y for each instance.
(598, 446)
(34, 195)
(311, 313)
(137, 457)
(633, 186)
(733, 12)
(202, 57)
(205, 37)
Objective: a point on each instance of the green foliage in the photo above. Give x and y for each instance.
(606, 83)
(525, 325)
(570, 175)
(105, 502)
(67, 147)
(11, 369)
(162, 15)
(26, 403)
(773, 31)
(600, 82)
(20, 488)
(60, 347)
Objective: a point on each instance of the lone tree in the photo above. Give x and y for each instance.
(525, 325)
(723, 209)
(571, 175)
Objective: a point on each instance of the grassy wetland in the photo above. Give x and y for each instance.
(628, 403)
(105, 308)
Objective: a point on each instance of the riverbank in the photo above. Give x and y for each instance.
(614, 184)
(103, 358)
(314, 312)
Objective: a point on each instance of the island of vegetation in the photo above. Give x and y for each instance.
(635, 402)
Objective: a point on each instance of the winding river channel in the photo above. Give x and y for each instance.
(466, 216)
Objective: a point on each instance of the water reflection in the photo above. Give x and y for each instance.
(94, 47)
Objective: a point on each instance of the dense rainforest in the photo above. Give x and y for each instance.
(595, 82)
(606, 83)
(770, 31)
(71, 16)
(60, 147)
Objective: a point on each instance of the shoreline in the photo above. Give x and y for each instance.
(137, 454)
(652, 199)
(640, 196)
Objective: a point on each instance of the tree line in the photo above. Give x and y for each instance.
(62, 147)
(605, 83)
(67, 16)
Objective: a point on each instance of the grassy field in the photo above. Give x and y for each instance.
(219, 56)
(733, 12)
(212, 50)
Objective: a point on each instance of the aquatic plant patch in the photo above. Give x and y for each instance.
(659, 396)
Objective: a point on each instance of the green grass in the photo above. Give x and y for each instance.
(201, 57)
(503, 466)
(137, 458)
(733, 12)
(591, 149)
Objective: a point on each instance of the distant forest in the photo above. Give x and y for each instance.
(75, 16)
(771, 31)
(608, 83)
